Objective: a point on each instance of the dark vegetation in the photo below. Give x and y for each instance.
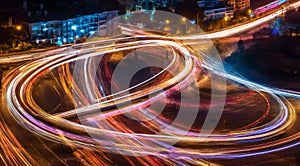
(270, 61)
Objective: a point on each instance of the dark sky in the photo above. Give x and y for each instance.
(62, 3)
(57, 9)
(10, 3)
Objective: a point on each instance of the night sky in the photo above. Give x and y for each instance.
(56, 9)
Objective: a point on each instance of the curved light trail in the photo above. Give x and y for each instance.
(20, 83)
(127, 124)
(213, 35)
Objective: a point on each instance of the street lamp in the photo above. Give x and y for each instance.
(19, 27)
(226, 18)
(249, 11)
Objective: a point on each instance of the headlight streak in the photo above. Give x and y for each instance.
(18, 90)
(27, 76)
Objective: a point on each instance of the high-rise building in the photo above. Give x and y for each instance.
(239, 4)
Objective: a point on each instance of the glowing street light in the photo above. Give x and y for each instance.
(249, 11)
(19, 27)
(226, 18)
(167, 21)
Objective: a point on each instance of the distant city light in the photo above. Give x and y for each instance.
(91, 32)
(66, 31)
(249, 11)
(59, 43)
(226, 18)
(19, 27)
(74, 27)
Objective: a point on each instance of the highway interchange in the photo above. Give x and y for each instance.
(182, 109)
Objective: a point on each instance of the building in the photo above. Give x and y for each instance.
(218, 12)
(239, 4)
(153, 4)
(201, 3)
(215, 9)
(69, 30)
(67, 21)
(208, 3)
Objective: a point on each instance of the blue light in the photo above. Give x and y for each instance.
(128, 13)
(82, 30)
(74, 27)
(45, 29)
(59, 43)
(152, 17)
(193, 21)
(35, 28)
(65, 40)
(275, 31)
(92, 32)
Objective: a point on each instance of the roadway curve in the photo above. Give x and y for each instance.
(273, 130)
(106, 131)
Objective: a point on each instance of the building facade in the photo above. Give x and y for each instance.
(68, 31)
(201, 3)
(153, 4)
(239, 4)
(208, 3)
(217, 13)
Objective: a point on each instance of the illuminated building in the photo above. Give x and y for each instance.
(215, 9)
(69, 30)
(152, 4)
(217, 13)
(239, 4)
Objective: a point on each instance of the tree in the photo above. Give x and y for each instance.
(190, 10)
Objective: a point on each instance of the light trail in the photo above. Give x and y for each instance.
(269, 6)
(245, 26)
(151, 139)
(26, 110)
(220, 34)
